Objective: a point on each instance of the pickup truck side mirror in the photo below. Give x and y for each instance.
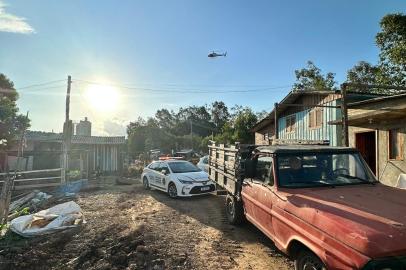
(250, 168)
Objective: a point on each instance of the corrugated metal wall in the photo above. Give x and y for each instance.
(304, 132)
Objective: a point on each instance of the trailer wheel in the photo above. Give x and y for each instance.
(234, 210)
(307, 260)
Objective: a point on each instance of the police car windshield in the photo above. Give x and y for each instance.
(183, 167)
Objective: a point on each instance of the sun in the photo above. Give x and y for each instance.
(103, 98)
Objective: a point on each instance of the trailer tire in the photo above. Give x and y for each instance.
(234, 210)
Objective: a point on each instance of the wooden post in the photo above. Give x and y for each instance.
(8, 185)
(67, 135)
(276, 124)
(344, 115)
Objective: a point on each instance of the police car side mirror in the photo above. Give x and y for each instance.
(164, 171)
(250, 168)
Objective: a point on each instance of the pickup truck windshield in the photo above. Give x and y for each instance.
(183, 167)
(321, 169)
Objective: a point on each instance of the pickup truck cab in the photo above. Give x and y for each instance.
(320, 205)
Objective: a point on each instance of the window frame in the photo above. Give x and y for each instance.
(271, 181)
(400, 140)
(313, 117)
(289, 127)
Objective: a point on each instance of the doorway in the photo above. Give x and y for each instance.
(365, 142)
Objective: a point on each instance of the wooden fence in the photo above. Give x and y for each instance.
(35, 179)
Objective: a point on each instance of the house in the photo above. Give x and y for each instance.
(301, 116)
(87, 152)
(377, 128)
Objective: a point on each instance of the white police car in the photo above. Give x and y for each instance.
(178, 178)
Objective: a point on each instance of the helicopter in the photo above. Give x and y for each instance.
(215, 54)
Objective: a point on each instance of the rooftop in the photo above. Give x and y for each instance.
(76, 139)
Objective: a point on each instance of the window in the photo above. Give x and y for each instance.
(264, 172)
(395, 144)
(154, 166)
(321, 169)
(290, 123)
(316, 118)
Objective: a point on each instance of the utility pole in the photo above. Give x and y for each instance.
(344, 115)
(276, 124)
(67, 134)
(191, 133)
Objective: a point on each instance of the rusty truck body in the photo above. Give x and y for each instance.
(320, 205)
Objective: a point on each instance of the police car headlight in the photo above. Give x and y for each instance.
(186, 182)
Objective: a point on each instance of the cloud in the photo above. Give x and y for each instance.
(12, 23)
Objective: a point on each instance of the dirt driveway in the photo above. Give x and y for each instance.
(130, 228)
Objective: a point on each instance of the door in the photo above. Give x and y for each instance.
(365, 142)
(258, 195)
(160, 177)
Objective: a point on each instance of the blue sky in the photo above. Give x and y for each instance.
(163, 45)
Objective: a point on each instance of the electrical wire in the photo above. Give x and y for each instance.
(40, 84)
(185, 90)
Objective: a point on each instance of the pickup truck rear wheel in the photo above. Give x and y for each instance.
(307, 260)
(234, 210)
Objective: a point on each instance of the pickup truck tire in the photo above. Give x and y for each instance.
(234, 210)
(307, 260)
(145, 182)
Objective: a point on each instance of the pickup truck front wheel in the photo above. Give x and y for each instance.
(307, 260)
(234, 210)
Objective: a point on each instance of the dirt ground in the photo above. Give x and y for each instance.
(130, 228)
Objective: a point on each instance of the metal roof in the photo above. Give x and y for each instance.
(279, 149)
(76, 139)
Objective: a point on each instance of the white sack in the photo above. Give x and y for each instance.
(63, 216)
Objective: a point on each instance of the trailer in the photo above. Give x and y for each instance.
(226, 166)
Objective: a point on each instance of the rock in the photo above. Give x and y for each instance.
(132, 266)
(142, 249)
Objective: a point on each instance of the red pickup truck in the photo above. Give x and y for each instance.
(320, 205)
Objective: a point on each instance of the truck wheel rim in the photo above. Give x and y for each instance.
(145, 183)
(230, 208)
(311, 265)
(172, 191)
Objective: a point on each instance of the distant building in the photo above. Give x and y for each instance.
(43, 150)
(84, 128)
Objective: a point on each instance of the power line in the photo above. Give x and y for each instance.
(185, 90)
(40, 84)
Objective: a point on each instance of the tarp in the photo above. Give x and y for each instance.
(60, 217)
(401, 181)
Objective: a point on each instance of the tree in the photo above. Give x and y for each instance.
(363, 73)
(166, 119)
(219, 114)
(391, 41)
(311, 78)
(245, 119)
(11, 122)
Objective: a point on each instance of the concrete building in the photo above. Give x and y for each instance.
(84, 128)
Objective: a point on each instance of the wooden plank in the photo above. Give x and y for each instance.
(36, 171)
(22, 187)
(35, 179)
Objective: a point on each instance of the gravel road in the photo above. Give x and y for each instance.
(131, 228)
